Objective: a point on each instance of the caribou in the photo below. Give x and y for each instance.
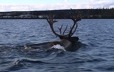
(67, 42)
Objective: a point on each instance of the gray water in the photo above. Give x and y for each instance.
(95, 55)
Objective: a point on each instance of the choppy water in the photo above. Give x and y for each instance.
(95, 55)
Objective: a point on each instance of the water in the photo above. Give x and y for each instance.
(95, 55)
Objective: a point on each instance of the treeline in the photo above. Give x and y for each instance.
(84, 13)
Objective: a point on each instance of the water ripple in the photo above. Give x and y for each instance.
(95, 55)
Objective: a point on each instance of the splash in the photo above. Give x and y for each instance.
(58, 46)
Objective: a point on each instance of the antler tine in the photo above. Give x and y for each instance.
(51, 20)
(73, 31)
(65, 29)
(70, 32)
(60, 28)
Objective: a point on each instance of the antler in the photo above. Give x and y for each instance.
(51, 21)
(74, 27)
(75, 19)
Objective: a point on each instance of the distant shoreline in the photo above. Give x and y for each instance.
(60, 14)
(55, 18)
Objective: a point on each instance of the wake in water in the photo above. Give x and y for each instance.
(20, 56)
(17, 57)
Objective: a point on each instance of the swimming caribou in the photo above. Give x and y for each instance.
(67, 41)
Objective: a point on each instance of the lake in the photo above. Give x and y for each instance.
(95, 55)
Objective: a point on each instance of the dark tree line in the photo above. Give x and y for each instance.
(85, 13)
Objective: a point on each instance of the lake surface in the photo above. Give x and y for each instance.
(95, 55)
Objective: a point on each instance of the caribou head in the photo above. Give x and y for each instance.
(67, 40)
